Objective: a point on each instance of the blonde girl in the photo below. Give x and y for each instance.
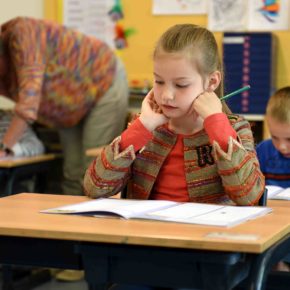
(185, 145)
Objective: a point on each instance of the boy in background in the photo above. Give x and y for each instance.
(274, 153)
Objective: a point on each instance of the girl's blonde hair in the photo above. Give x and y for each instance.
(278, 106)
(199, 45)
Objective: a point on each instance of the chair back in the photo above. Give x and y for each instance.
(263, 198)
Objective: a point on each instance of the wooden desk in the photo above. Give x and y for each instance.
(131, 251)
(10, 162)
(17, 167)
(278, 203)
(93, 152)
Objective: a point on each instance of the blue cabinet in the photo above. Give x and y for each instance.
(249, 58)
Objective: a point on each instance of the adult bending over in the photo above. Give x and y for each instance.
(64, 79)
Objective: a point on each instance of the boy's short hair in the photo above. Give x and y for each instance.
(278, 106)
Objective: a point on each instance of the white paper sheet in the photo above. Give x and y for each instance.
(227, 15)
(90, 17)
(277, 192)
(176, 7)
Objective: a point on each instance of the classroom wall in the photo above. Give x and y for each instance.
(13, 8)
(137, 57)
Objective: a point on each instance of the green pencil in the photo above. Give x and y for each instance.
(235, 92)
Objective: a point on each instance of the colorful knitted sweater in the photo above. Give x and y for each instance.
(56, 74)
(212, 175)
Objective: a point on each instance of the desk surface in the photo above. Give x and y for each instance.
(10, 162)
(93, 152)
(20, 216)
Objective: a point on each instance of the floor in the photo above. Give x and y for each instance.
(55, 285)
(41, 279)
(50, 283)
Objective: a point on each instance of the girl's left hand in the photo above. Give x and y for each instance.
(206, 104)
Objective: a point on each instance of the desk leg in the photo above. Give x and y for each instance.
(263, 263)
(96, 270)
(10, 183)
(7, 278)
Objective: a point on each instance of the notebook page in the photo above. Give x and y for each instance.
(123, 207)
(185, 210)
(230, 215)
(273, 190)
(285, 194)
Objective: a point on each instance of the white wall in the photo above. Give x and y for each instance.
(13, 8)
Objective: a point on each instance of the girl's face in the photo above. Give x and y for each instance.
(176, 84)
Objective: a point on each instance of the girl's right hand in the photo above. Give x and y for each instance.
(151, 114)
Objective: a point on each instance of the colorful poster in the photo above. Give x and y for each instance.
(227, 15)
(265, 15)
(176, 7)
(250, 15)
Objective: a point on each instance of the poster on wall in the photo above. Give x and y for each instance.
(250, 15)
(226, 15)
(268, 15)
(177, 7)
(90, 17)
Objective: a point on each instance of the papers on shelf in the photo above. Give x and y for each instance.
(187, 212)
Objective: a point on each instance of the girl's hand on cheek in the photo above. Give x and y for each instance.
(206, 104)
(151, 114)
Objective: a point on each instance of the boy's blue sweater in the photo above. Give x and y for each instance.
(274, 165)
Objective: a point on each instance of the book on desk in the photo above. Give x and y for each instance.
(162, 210)
(278, 192)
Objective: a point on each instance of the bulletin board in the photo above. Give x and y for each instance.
(137, 57)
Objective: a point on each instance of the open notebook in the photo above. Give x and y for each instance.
(277, 192)
(170, 211)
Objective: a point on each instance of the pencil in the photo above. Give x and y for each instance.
(235, 92)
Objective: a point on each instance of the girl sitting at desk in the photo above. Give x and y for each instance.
(186, 145)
